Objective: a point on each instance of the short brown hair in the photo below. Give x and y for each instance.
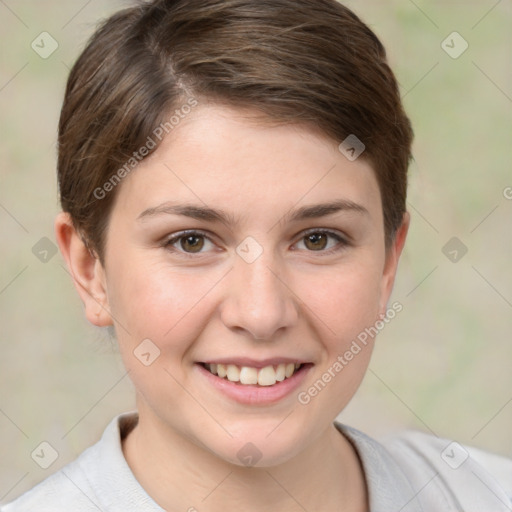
(293, 61)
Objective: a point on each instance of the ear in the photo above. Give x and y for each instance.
(86, 269)
(392, 257)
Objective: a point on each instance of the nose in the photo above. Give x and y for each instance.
(258, 301)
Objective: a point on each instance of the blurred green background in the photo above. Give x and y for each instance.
(443, 365)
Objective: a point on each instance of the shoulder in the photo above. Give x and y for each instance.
(99, 479)
(446, 471)
(69, 487)
(416, 472)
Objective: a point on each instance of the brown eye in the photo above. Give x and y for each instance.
(323, 242)
(192, 243)
(189, 243)
(316, 241)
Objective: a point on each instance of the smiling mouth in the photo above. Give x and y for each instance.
(246, 375)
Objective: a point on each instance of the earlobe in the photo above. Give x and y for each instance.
(86, 270)
(392, 259)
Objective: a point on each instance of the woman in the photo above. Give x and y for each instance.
(233, 179)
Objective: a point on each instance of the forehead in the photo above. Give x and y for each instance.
(224, 157)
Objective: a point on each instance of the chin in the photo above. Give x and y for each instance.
(255, 447)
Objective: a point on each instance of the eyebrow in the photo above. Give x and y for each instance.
(211, 215)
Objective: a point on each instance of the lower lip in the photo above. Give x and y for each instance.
(251, 394)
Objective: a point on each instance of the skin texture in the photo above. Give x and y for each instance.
(292, 301)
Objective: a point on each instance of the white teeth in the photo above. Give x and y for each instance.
(280, 372)
(233, 373)
(248, 375)
(221, 370)
(266, 376)
(290, 368)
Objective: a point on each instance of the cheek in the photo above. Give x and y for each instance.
(346, 305)
(345, 301)
(170, 310)
(156, 302)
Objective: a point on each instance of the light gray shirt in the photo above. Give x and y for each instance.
(412, 472)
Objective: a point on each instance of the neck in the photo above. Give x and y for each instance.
(180, 475)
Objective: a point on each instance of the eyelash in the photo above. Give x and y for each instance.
(342, 242)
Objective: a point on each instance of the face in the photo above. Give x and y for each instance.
(243, 248)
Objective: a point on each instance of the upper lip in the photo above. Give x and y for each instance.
(254, 363)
